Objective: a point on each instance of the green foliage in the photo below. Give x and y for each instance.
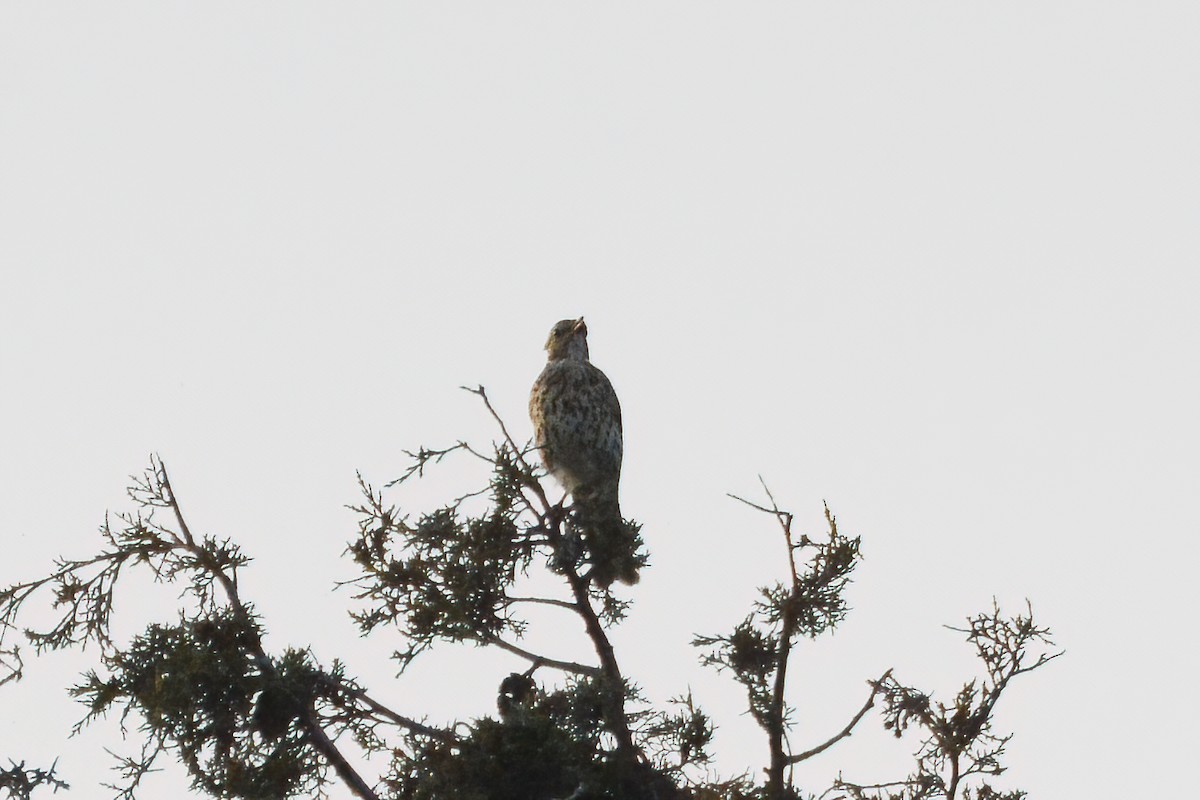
(244, 723)
(546, 745)
(446, 577)
(248, 723)
(199, 686)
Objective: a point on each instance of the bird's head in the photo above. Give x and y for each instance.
(568, 339)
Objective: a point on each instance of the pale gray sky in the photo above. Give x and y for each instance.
(935, 263)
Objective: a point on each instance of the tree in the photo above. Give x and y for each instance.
(248, 723)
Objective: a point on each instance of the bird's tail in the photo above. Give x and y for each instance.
(613, 544)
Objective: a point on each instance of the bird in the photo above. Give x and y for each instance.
(577, 430)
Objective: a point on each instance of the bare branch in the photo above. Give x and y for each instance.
(403, 721)
(325, 746)
(844, 732)
(161, 470)
(534, 658)
(548, 601)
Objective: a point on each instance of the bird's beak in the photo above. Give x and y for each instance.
(580, 326)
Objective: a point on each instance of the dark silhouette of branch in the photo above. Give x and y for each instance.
(846, 731)
(534, 658)
(776, 719)
(547, 601)
(405, 722)
(759, 650)
(615, 712)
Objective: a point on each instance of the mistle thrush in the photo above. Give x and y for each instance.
(577, 428)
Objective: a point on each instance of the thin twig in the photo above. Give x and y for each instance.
(517, 451)
(403, 721)
(784, 518)
(566, 666)
(157, 464)
(753, 505)
(423, 456)
(548, 601)
(844, 732)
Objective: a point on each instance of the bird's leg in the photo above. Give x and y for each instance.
(556, 513)
(550, 523)
(569, 546)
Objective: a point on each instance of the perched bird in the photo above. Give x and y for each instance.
(577, 427)
(517, 691)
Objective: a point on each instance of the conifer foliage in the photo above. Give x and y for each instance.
(201, 688)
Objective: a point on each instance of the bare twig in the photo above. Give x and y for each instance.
(566, 666)
(548, 601)
(169, 495)
(784, 518)
(422, 457)
(405, 722)
(518, 452)
(844, 732)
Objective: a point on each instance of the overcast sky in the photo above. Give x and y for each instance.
(933, 263)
